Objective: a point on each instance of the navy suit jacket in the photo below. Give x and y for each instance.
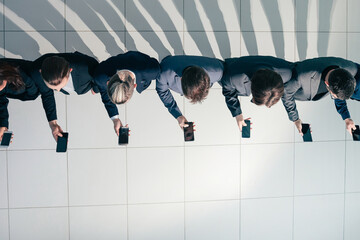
(172, 68)
(30, 92)
(82, 75)
(144, 67)
(307, 85)
(239, 71)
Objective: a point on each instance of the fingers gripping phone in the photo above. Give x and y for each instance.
(123, 136)
(306, 132)
(356, 133)
(6, 139)
(189, 132)
(62, 142)
(246, 129)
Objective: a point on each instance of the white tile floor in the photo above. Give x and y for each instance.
(271, 186)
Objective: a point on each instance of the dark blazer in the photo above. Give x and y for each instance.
(172, 68)
(144, 67)
(30, 92)
(82, 75)
(239, 71)
(308, 84)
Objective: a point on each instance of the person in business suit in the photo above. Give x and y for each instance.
(118, 77)
(16, 83)
(316, 78)
(64, 72)
(261, 76)
(191, 76)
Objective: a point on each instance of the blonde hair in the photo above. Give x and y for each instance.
(121, 87)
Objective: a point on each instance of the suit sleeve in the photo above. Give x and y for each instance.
(342, 109)
(47, 96)
(110, 107)
(231, 98)
(4, 114)
(290, 89)
(166, 97)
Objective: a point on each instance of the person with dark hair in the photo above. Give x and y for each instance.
(64, 72)
(16, 83)
(191, 76)
(316, 78)
(118, 77)
(261, 76)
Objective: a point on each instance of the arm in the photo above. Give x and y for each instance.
(167, 98)
(231, 98)
(342, 109)
(4, 114)
(290, 89)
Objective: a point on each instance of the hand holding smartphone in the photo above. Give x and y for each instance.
(306, 132)
(62, 142)
(245, 132)
(189, 132)
(356, 133)
(123, 136)
(6, 139)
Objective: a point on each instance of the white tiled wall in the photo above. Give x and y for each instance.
(271, 186)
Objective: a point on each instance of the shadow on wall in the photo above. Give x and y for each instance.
(104, 28)
(325, 10)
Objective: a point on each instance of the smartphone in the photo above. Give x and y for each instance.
(306, 132)
(123, 136)
(6, 139)
(62, 142)
(189, 132)
(246, 129)
(356, 133)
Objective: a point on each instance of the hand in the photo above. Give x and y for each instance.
(240, 121)
(350, 125)
(55, 129)
(182, 120)
(299, 126)
(2, 130)
(93, 92)
(117, 125)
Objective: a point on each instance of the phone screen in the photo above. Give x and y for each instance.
(246, 129)
(189, 132)
(5, 141)
(123, 136)
(306, 132)
(62, 142)
(356, 133)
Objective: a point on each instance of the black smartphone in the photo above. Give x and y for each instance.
(6, 139)
(189, 132)
(246, 129)
(62, 142)
(123, 136)
(306, 132)
(356, 133)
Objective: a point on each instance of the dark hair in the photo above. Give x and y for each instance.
(267, 87)
(54, 69)
(12, 75)
(195, 83)
(341, 83)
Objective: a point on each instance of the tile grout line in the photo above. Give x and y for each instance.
(184, 151)
(345, 159)
(8, 195)
(126, 149)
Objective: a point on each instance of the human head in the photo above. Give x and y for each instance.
(55, 71)
(121, 86)
(267, 87)
(341, 83)
(195, 83)
(10, 75)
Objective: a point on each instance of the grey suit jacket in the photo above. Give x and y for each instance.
(172, 68)
(239, 71)
(307, 82)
